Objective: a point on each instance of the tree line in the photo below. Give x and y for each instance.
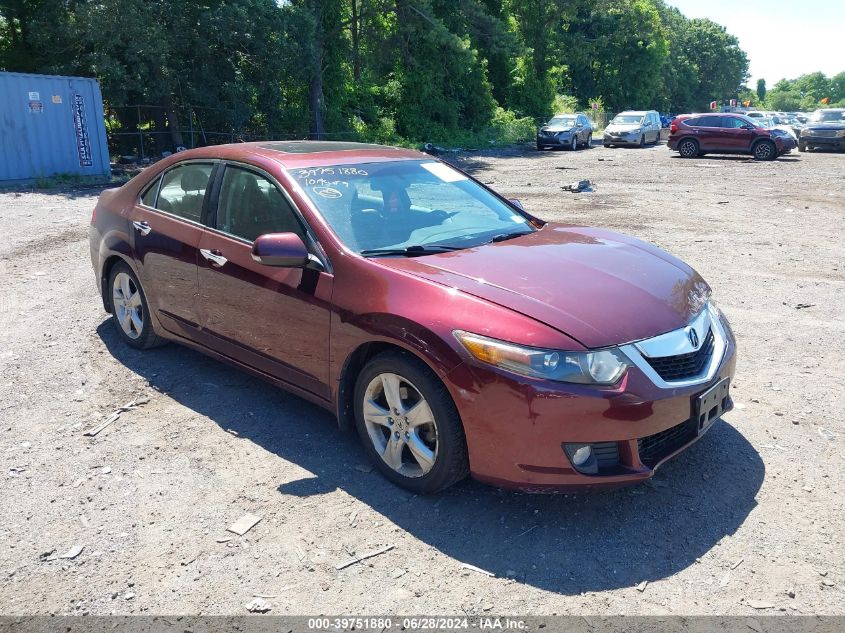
(806, 93)
(383, 70)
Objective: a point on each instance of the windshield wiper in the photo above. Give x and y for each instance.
(411, 251)
(501, 237)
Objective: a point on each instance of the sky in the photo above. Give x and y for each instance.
(783, 38)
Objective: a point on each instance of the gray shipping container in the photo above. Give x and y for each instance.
(51, 125)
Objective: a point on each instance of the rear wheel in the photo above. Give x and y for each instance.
(409, 424)
(764, 150)
(688, 148)
(130, 312)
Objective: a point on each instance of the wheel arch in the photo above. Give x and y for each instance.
(105, 272)
(355, 361)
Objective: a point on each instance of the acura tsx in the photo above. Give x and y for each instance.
(457, 333)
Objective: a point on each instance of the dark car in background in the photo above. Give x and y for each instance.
(824, 129)
(455, 331)
(694, 135)
(569, 131)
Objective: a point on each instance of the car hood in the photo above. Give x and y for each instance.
(557, 128)
(597, 287)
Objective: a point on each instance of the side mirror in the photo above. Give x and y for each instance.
(285, 250)
(516, 203)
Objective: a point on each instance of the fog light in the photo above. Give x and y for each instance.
(582, 456)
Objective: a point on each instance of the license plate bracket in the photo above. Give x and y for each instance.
(710, 405)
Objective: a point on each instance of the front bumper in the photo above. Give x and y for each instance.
(624, 138)
(558, 140)
(516, 427)
(786, 144)
(831, 142)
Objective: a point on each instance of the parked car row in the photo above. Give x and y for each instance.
(764, 135)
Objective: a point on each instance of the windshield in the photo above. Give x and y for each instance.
(562, 121)
(402, 204)
(825, 116)
(627, 119)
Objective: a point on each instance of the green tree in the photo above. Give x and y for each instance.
(761, 90)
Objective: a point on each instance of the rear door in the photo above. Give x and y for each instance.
(166, 230)
(273, 319)
(707, 133)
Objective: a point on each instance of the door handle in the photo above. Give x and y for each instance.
(142, 227)
(214, 257)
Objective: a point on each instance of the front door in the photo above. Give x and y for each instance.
(273, 319)
(736, 138)
(165, 231)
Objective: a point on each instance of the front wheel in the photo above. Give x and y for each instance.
(802, 146)
(642, 141)
(540, 148)
(589, 142)
(573, 144)
(765, 150)
(409, 424)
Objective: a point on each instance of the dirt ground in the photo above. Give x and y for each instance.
(752, 511)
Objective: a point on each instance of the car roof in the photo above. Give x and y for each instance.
(640, 112)
(293, 154)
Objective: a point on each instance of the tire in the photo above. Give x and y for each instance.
(802, 147)
(573, 143)
(429, 448)
(688, 148)
(589, 143)
(540, 148)
(764, 150)
(642, 141)
(130, 311)
(606, 145)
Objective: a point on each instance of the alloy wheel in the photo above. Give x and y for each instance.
(688, 149)
(400, 424)
(127, 305)
(573, 144)
(763, 151)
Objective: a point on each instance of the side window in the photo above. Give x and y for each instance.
(692, 122)
(149, 197)
(183, 190)
(250, 205)
(732, 122)
(709, 121)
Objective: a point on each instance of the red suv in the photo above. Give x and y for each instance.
(694, 135)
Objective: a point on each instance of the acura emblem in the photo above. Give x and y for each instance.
(693, 337)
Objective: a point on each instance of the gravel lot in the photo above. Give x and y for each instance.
(753, 510)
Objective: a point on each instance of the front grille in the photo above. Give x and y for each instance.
(684, 366)
(655, 447)
(825, 133)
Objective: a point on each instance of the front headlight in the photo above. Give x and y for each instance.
(840, 133)
(601, 367)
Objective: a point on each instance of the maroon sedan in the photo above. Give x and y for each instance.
(456, 332)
